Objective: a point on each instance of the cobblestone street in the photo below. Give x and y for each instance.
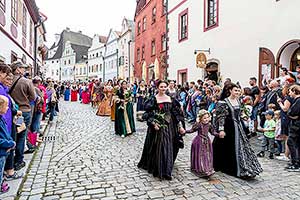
(82, 158)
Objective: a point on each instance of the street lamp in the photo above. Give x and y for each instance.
(87, 69)
(129, 70)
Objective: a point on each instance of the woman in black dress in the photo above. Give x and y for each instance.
(165, 125)
(141, 95)
(233, 154)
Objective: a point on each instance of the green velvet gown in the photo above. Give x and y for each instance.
(124, 120)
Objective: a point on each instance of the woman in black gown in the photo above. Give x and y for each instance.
(233, 154)
(165, 125)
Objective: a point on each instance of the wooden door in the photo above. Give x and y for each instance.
(266, 66)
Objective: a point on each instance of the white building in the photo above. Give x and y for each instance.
(126, 51)
(96, 57)
(81, 67)
(245, 39)
(111, 56)
(19, 20)
(69, 49)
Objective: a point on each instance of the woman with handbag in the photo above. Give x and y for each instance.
(165, 122)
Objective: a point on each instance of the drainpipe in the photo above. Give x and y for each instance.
(129, 70)
(103, 58)
(167, 38)
(117, 51)
(35, 67)
(104, 62)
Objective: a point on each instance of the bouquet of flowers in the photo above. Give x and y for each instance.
(159, 119)
(127, 96)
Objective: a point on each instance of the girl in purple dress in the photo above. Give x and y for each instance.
(201, 151)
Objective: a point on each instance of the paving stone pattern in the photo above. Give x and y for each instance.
(84, 159)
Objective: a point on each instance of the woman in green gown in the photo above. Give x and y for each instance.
(124, 120)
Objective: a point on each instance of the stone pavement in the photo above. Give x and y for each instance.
(82, 158)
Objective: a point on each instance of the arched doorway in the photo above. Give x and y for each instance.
(151, 72)
(266, 65)
(212, 71)
(288, 55)
(295, 60)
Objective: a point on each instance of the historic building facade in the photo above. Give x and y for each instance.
(254, 40)
(22, 33)
(69, 49)
(150, 40)
(96, 57)
(126, 50)
(111, 56)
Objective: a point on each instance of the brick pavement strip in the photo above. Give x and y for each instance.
(88, 161)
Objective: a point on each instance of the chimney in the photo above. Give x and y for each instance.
(67, 29)
(80, 32)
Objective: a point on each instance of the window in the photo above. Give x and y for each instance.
(2, 5)
(13, 57)
(84, 70)
(139, 28)
(97, 55)
(80, 71)
(183, 25)
(100, 68)
(24, 21)
(14, 11)
(143, 52)
(69, 62)
(164, 2)
(121, 60)
(144, 23)
(163, 42)
(65, 62)
(153, 49)
(154, 15)
(52, 61)
(211, 14)
(97, 68)
(138, 54)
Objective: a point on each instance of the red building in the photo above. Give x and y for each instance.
(150, 40)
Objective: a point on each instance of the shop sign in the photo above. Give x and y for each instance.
(201, 60)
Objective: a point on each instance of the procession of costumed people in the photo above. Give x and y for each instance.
(162, 109)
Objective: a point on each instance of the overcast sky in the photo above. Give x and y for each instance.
(89, 16)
